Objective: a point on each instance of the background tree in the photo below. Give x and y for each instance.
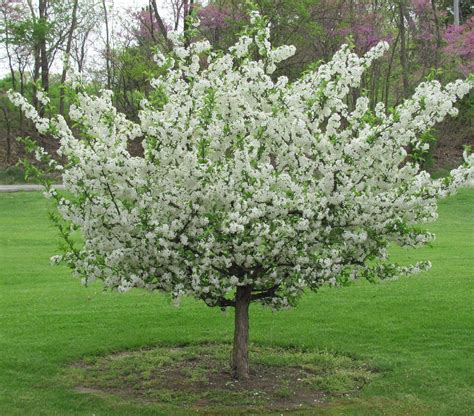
(108, 49)
(429, 45)
(67, 54)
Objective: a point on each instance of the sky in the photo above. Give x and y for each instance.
(132, 3)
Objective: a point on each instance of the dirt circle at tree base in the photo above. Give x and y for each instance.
(197, 378)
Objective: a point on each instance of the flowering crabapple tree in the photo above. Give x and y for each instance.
(250, 189)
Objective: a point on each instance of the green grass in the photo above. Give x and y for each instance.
(418, 330)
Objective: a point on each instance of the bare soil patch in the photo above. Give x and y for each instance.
(198, 378)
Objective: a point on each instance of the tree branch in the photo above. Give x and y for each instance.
(264, 294)
(224, 303)
(161, 25)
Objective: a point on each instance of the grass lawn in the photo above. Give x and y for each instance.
(418, 331)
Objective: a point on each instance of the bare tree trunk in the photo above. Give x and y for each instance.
(43, 15)
(12, 73)
(187, 12)
(107, 45)
(81, 50)
(457, 17)
(376, 83)
(7, 125)
(66, 56)
(177, 13)
(438, 32)
(240, 356)
(21, 71)
(152, 25)
(389, 71)
(36, 56)
(403, 51)
(36, 74)
(186, 22)
(7, 49)
(161, 25)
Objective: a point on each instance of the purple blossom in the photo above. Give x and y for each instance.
(460, 43)
(420, 6)
(147, 24)
(422, 26)
(364, 26)
(213, 17)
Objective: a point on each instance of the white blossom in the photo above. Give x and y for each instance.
(246, 180)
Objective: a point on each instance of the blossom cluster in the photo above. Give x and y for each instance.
(248, 179)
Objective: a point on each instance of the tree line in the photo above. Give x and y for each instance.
(47, 43)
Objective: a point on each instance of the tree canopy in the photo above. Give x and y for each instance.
(251, 187)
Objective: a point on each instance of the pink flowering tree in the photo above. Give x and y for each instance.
(250, 189)
(365, 23)
(147, 26)
(426, 31)
(214, 21)
(460, 45)
(213, 17)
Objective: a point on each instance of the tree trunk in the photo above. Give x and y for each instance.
(161, 25)
(438, 32)
(67, 53)
(457, 17)
(240, 357)
(152, 24)
(107, 45)
(7, 47)
(43, 16)
(389, 72)
(22, 92)
(36, 56)
(187, 11)
(9, 143)
(403, 51)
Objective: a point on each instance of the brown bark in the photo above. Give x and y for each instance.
(438, 32)
(403, 51)
(389, 71)
(80, 51)
(21, 71)
(36, 57)
(161, 25)
(36, 74)
(152, 26)
(8, 136)
(67, 53)
(187, 11)
(107, 46)
(7, 48)
(240, 358)
(43, 15)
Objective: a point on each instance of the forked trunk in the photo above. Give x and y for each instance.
(240, 357)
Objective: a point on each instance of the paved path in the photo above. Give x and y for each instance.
(25, 188)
